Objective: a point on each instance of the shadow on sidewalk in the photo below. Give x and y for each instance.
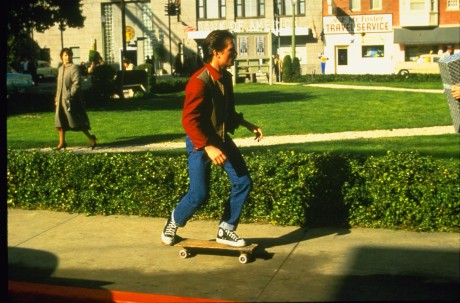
(26, 267)
(294, 237)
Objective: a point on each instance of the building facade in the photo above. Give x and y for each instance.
(334, 36)
(150, 32)
(372, 36)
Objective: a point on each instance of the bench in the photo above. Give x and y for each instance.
(132, 79)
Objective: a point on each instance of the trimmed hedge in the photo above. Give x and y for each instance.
(368, 78)
(305, 189)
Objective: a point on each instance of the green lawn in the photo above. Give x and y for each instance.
(277, 109)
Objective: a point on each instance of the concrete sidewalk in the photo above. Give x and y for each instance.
(124, 253)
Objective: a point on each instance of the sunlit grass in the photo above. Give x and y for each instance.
(277, 109)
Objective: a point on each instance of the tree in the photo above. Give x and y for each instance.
(40, 15)
(287, 68)
(291, 69)
(24, 16)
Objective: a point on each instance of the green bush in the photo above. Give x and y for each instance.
(304, 189)
(404, 191)
(287, 68)
(291, 69)
(102, 84)
(412, 78)
(173, 85)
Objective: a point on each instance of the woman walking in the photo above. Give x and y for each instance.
(70, 111)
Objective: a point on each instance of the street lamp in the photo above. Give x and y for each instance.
(294, 2)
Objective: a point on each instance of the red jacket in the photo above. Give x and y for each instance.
(209, 114)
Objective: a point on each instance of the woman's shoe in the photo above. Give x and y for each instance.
(61, 146)
(94, 143)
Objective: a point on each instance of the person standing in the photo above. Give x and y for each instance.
(25, 65)
(70, 114)
(208, 116)
(449, 51)
(33, 70)
(278, 67)
(128, 65)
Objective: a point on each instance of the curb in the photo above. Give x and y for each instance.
(26, 292)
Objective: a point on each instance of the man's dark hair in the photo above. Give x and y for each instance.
(68, 51)
(215, 41)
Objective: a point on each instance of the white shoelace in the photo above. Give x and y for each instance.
(171, 229)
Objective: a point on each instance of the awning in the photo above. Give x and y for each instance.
(425, 36)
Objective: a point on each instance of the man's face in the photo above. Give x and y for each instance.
(226, 57)
(66, 59)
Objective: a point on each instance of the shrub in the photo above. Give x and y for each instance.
(291, 69)
(102, 84)
(304, 189)
(287, 68)
(172, 85)
(404, 191)
(295, 68)
(413, 78)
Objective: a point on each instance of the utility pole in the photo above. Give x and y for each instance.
(123, 39)
(123, 29)
(170, 53)
(294, 2)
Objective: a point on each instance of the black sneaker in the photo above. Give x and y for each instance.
(169, 232)
(229, 237)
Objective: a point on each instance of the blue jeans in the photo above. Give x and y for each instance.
(199, 167)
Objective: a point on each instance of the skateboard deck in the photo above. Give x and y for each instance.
(189, 245)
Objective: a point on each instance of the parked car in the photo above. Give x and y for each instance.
(44, 70)
(17, 82)
(425, 64)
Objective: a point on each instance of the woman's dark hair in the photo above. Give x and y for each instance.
(67, 50)
(215, 41)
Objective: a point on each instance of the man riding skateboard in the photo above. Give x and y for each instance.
(207, 118)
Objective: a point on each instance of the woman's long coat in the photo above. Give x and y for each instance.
(70, 110)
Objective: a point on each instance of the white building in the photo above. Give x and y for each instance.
(148, 29)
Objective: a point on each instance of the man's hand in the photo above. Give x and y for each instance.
(216, 155)
(259, 134)
(456, 91)
(253, 128)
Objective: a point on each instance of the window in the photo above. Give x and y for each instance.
(211, 9)
(355, 5)
(376, 4)
(373, 51)
(76, 58)
(243, 46)
(284, 7)
(260, 45)
(250, 8)
(453, 4)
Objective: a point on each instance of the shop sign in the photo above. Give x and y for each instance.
(261, 25)
(358, 24)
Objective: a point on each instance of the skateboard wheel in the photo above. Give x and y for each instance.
(243, 258)
(184, 254)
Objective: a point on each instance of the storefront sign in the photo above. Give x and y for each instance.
(358, 24)
(261, 25)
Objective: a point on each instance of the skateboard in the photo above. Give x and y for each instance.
(189, 245)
